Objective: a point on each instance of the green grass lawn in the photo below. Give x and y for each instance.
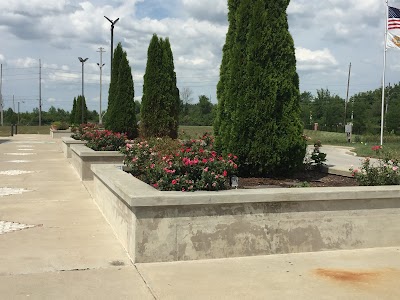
(194, 131)
(361, 143)
(6, 130)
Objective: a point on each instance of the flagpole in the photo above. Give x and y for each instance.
(384, 71)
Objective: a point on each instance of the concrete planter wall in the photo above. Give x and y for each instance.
(66, 145)
(58, 134)
(172, 226)
(83, 157)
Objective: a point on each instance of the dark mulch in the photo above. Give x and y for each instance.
(310, 178)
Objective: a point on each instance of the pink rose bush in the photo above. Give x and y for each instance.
(77, 132)
(171, 165)
(99, 139)
(385, 172)
(104, 140)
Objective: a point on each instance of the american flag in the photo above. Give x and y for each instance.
(393, 18)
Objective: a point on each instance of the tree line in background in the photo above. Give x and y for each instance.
(331, 113)
(324, 108)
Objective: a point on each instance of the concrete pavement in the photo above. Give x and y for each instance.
(339, 159)
(57, 245)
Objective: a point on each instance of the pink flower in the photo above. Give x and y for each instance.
(205, 169)
(225, 173)
(152, 166)
(174, 181)
(155, 185)
(395, 168)
(204, 160)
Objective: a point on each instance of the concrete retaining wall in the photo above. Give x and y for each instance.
(66, 145)
(58, 134)
(83, 157)
(172, 226)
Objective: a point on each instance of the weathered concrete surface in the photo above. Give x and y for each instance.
(71, 252)
(117, 282)
(367, 274)
(172, 226)
(66, 145)
(83, 157)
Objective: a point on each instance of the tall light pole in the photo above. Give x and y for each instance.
(112, 38)
(101, 72)
(83, 95)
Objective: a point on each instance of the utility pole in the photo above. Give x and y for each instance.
(347, 95)
(13, 105)
(101, 73)
(40, 92)
(1, 95)
(18, 113)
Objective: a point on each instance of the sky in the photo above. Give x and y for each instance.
(328, 36)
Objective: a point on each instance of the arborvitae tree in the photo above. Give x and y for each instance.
(113, 88)
(78, 112)
(122, 114)
(160, 101)
(85, 110)
(73, 112)
(258, 93)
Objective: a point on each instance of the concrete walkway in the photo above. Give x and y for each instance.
(55, 244)
(340, 159)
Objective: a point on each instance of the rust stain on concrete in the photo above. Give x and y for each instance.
(352, 276)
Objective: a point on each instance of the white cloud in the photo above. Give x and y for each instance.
(26, 62)
(314, 60)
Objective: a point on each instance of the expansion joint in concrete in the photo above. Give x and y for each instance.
(145, 282)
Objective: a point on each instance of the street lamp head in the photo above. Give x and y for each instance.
(111, 21)
(82, 60)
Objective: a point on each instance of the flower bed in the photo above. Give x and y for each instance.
(155, 225)
(66, 145)
(170, 165)
(101, 148)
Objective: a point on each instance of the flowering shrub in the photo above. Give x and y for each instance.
(77, 132)
(104, 140)
(171, 165)
(386, 172)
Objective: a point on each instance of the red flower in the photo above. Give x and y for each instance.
(173, 181)
(225, 173)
